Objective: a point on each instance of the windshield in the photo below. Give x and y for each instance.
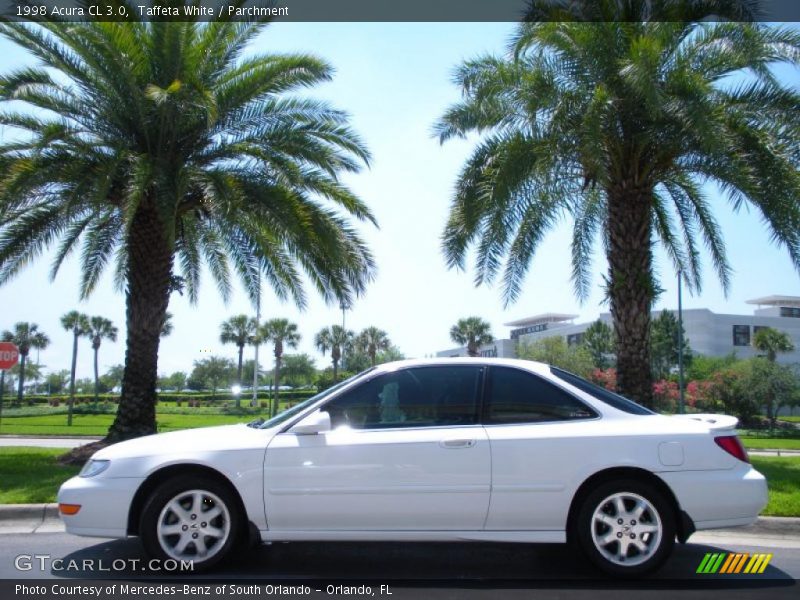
(601, 393)
(290, 412)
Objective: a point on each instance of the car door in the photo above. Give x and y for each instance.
(537, 432)
(405, 452)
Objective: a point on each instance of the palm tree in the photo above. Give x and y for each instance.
(26, 336)
(100, 329)
(617, 123)
(78, 324)
(371, 341)
(472, 332)
(334, 338)
(280, 332)
(163, 146)
(772, 342)
(166, 325)
(239, 330)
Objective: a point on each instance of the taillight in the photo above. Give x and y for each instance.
(732, 445)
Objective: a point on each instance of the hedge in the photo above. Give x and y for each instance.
(198, 397)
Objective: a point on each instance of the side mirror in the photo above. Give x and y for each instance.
(317, 422)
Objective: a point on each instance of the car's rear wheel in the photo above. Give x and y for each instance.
(626, 527)
(191, 519)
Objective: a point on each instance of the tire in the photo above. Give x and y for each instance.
(641, 542)
(191, 518)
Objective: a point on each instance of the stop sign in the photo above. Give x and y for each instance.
(9, 355)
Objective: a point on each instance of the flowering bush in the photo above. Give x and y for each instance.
(665, 395)
(699, 395)
(606, 378)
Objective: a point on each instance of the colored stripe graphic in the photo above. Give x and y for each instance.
(703, 563)
(728, 562)
(768, 557)
(740, 562)
(733, 563)
(715, 567)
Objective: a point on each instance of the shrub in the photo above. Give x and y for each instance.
(606, 378)
(665, 395)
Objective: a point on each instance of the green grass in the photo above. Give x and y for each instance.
(783, 479)
(774, 443)
(795, 419)
(31, 475)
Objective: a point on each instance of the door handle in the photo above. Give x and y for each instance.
(453, 444)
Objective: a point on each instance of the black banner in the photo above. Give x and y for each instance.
(395, 10)
(76, 589)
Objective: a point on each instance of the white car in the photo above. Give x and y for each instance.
(441, 450)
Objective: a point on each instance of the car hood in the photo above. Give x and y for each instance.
(189, 441)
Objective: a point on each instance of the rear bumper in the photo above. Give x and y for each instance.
(714, 499)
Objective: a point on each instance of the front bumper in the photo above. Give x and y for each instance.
(725, 498)
(104, 501)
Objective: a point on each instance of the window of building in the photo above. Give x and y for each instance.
(573, 339)
(790, 311)
(419, 397)
(516, 396)
(741, 335)
(757, 328)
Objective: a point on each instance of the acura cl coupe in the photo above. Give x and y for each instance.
(440, 450)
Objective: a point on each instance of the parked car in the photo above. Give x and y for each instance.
(442, 450)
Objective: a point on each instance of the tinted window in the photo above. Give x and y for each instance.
(516, 396)
(287, 414)
(601, 393)
(420, 397)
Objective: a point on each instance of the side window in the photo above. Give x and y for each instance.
(516, 396)
(420, 397)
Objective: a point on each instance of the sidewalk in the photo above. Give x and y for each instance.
(47, 441)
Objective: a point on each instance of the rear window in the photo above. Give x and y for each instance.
(601, 393)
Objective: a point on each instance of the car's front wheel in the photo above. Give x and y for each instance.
(191, 519)
(626, 527)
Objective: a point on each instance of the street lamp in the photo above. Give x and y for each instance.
(344, 305)
(681, 399)
(254, 400)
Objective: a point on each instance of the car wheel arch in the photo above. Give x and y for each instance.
(156, 478)
(684, 525)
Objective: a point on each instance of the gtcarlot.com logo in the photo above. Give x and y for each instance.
(730, 563)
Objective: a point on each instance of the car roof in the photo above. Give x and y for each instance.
(528, 365)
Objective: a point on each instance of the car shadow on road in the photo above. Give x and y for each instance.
(429, 565)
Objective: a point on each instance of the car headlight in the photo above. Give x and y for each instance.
(94, 467)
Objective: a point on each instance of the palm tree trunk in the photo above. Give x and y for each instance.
(239, 378)
(149, 277)
(96, 376)
(72, 378)
(21, 381)
(631, 287)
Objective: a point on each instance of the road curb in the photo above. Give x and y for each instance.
(29, 518)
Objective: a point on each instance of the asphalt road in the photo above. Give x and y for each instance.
(421, 570)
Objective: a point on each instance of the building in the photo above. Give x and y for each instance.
(497, 349)
(707, 332)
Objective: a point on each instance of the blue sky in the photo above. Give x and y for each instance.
(395, 81)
